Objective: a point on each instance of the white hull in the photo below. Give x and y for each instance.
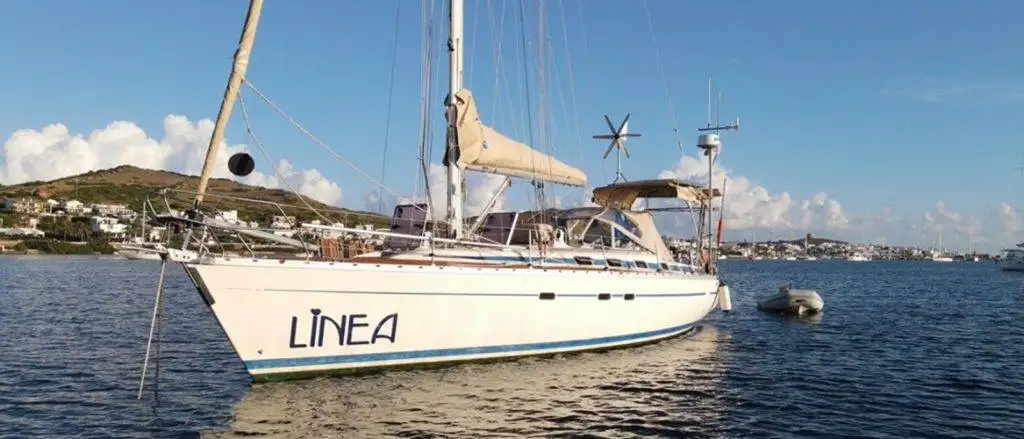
(422, 314)
(153, 253)
(1011, 265)
(142, 255)
(942, 259)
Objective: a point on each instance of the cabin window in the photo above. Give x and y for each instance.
(614, 263)
(640, 264)
(584, 260)
(630, 296)
(604, 296)
(547, 296)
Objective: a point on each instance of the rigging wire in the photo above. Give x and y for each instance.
(317, 140)
(263, 151)
(541, 105)
(472, 48)
(668, 99)
(500, 74)
(526, 81)
(572, 83)
(387, 121)
(664, 78)
(590, 70)
(424, 57)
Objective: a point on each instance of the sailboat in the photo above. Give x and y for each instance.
(143, 249)
(1012, 259)
(591, 279)
(939, 255)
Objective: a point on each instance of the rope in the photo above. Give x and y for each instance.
(387, 120)
(317, 140)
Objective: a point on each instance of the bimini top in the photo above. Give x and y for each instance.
(622, 195)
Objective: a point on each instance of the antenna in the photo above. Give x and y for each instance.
(618, 143)
(709, 141)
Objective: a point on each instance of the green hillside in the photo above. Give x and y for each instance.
(129, 185)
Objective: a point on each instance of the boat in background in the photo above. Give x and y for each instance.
(790, 301)
(140, 252)
(857, 257)
(939, 255)
(1012, 259)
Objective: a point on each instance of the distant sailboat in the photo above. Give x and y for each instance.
(939, 255)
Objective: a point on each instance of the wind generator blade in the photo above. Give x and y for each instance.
(630, 135)
(605, 136)
(622, 128)
(611, 127)
(611, 146)
(624, 149)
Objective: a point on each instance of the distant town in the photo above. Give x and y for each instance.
(814, 248)
(91, 228)
(33, 225)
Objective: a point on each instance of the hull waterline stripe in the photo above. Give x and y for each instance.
(402, 293)
(254, 365)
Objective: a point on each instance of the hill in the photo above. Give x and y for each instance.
(130, 185)
(813, 240)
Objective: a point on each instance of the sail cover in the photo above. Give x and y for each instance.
(481, 148)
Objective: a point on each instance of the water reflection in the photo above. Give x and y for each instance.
(809, 318)
(659, 389)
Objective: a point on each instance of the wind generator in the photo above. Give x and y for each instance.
(618, 143)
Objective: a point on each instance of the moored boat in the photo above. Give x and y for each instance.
(589, 278)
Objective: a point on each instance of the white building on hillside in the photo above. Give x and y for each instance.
(106, 225)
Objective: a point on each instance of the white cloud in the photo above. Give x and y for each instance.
(479, 189)
(751, 206)
(1005, 218)
(54, 152)
(943, 220)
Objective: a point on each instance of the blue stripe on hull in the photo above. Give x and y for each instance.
(437, 354)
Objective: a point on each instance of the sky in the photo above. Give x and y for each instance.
(873, 121)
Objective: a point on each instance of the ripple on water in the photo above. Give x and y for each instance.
(902, 350)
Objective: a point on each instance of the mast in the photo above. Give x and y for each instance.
(454, 85)
(234, 83)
